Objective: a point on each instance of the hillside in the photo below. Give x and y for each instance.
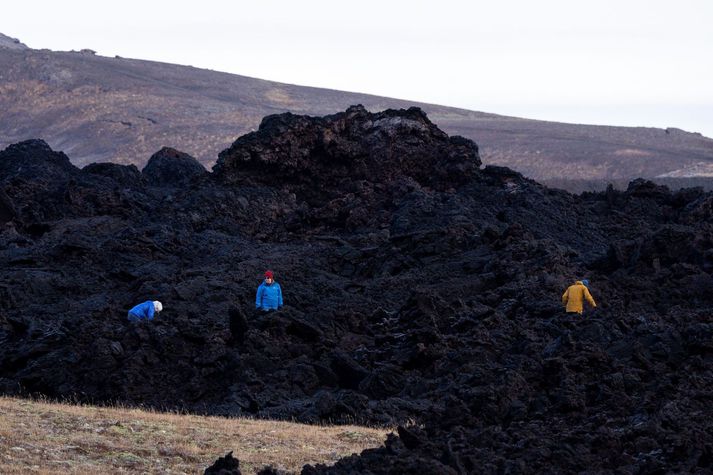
(47, 438)
(419, 287)
(122, 110)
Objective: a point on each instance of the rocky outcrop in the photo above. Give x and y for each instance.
(170, 167)
(227, 465)
(35, 160)
(323, 157)
(427, 301)
(11, 43)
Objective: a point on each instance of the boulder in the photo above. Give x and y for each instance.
(170, 167)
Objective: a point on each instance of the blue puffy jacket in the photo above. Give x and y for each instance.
(143, 311)
(269, 297)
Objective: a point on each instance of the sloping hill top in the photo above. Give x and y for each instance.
(11, 43)
(96, 108)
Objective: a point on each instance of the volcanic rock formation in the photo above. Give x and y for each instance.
(418, 287)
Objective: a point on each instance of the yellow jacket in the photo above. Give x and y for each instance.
(574, 297)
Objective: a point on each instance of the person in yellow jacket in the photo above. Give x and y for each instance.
(573, 298)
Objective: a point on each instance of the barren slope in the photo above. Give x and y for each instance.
(122, 110)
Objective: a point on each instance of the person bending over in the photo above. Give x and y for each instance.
(145, 311)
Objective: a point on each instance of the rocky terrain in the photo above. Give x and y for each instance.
(421, 289)
(122, 110)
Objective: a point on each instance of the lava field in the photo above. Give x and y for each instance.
(421, 290)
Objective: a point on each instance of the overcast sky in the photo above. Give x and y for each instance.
(624, 62)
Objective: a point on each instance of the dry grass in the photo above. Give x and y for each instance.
(49, 438)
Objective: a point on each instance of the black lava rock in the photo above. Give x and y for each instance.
(170, 167)
(420, 291)
(227, 465)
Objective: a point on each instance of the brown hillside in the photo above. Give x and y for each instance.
(47, 438)
(97, 108)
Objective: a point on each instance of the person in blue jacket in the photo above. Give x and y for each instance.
(145, 311)
(269, 294)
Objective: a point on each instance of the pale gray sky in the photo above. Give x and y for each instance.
(624, 62)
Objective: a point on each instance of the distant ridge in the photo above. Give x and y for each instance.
(11, 43)
(96, 108)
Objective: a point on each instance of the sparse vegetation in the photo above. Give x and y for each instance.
(49, 438)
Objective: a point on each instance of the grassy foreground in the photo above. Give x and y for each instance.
(49, 438)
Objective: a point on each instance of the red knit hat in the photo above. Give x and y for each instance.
(268, 274)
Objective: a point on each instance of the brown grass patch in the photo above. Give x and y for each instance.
(49, 438)
(632, 152)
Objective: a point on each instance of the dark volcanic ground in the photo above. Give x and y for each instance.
(420, 290)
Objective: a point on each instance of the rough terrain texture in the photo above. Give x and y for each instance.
(419, 287)
(122, 110)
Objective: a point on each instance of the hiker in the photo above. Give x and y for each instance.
(269, 294)
(573, 298)
(145, 311)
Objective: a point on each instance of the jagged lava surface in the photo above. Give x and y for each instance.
(418, 287)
